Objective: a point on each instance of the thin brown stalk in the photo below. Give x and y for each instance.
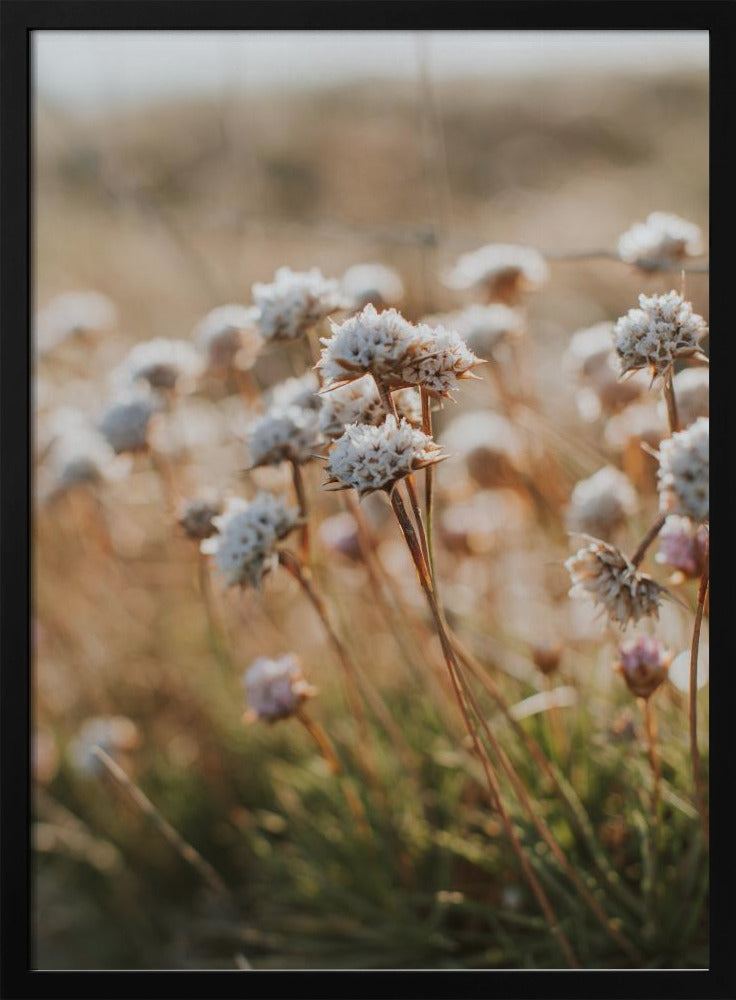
(650, 725)
(668, 390)
(647, 540)
(694, 751)
(429, 485)
(215, 629)
(301, 495)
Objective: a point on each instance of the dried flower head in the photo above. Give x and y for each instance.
(164, 364)
(502, 271)
(682, 546)
(663, 240)
(125, 424)
(489, 445)
(374, 283)
(643, 663)
(692, 392)
(295, 302)
(547, 657)
(276, 688)
(290, 434)
(229, 338)
(602, 573)
(113, 734)
(302, 391)
(72, 314)
(370, 343)
(245, 546)
(684, 472)
(663, 328)
(438, 363)
(376, 458)
(358, 402)
(601, 503)
(196, 516)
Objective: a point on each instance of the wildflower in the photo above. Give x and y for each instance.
(643, 663)
(371, 343)
(276, 688)
(376, 458)
(162, 363)
(79, 455)
(295, 302)
(664, 239)
(692, 392)
(72, 314)
(125, 423)
(374, 283)
(302, 392)
(245, 546)
(682, 546)
(358, 402)
(663, 328)
(289, 434)
(503, 271)
(113, 734)
(601, 503)
(684, 468)
(197, 517)
(229, 338)
(440, 360)
(489, 445)
(601, 571)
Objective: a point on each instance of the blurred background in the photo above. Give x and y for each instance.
(171, 172)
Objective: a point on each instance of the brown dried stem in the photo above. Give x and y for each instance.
(301, 495)
(668, 391)
(694, 751)
(647, 540)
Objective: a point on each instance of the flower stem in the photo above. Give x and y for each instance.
(647, 540)
(668, 390)
(301, 495)
(429, 485)
(651, 730)
(694, 649)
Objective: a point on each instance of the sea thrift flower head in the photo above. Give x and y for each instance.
(489, 445)
(374, 283)
(601, 572)
(692, 392)
(601, 503)
(643, 663)
(684, 470)
(302, 392)
(358, 402)
(79, 455)
(229, 338)
(197, 516)
(663, 328)
(682, 546)
(438, 363)
(72, 314)
(125, 424)
(276, 688)
(370, 342)
(502, 271)
(663, 240)
(115, 735)
(164, 364)
(245, 547)
(289, 434)
(485, 328)
(376, 458)
(547, 657)
(295, 302)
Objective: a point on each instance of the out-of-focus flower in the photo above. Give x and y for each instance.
(245, 547)
(602, 573)
(590, 358)
(164, 364)
(113, 734)
(376, 458)
(339, 533)
(358, 402)
(295, 302)
(503, 271)
(126, 422)
(44, 757)
(196, 516)
(663, 328)
(547, 657)
(290, 434)
(601, 503)
(692, 392)
(682, 546)
(228, 337)
(663, 240)
(301, 391)
(488, 520)
(79, 455)
(490, 446)
(276, 688)
(72, 314)
(627, 432)
(484, 328)
(372, 283)
(643, 663)
(684, 470)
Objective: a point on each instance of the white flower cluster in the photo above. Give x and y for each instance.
(372, 283)
(302, 391)
(663, 328)
(125, 423)
(684, 469)
(603, 573)
(502, 270)
(276, 688)
(197, 516)
(376, 458)
(683, 545)
(643, 663)
(73, 313)
(245, 548)
(80, 455)
(294, 302)
(601, 503)
(664, 239)
(358, 402)
(440, 361)
(229, 338)
(284, 434)
(162, 363)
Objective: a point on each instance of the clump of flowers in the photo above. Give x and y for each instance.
(245, 547)
(372, 283)
(229, 338)
(643, 663)
(376, 458)
(502, 271)
(441, 360)
(358, 402)
(197, 517)
(684, 469)
(601, 503)
(662, 329)
(663, 240)
(601, 572)
(163, 363)
(276, 688)
(682, 546)
(295, 302)
(125, 424)
(73, 314)
(288, 434)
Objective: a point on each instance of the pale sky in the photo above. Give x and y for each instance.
(92, 70)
